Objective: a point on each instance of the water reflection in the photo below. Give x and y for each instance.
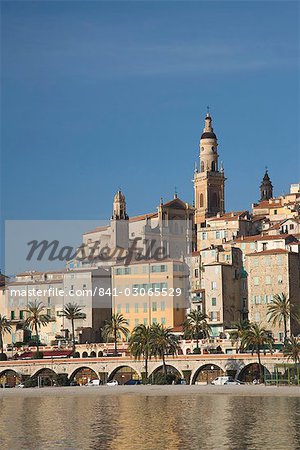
(139, 422)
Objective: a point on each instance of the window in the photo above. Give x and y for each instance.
(154, 306)
(243, 246)
(257, 317)
(201, 202)
(119, 308)
(48, 312)
(136, 308)
(256, 281)
(213, 165)
(21, 314)
(159, 268)
(267, 260)
(252, 246)
(213, 315)
(162, 306)
(258, 299)
(279, 260)
(135, 269)
(275, 211)
(291, 226)
(204, 237)
(218, 235)
(127, 307)
(144, 269)
(202, 166)
(154, 321)
(213, 301)
(12, 315)
(145, 309)
(214, 285)
(264, 246)
(268, 279)
(163, 321)
(196, 273)
(145, 322)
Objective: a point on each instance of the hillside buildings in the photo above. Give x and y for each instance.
(229, 265)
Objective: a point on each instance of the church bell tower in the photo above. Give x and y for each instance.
(209, 181)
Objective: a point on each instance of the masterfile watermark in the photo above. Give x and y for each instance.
(96, 253)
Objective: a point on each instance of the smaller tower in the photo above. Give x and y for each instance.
(266, 188)
(119, 206)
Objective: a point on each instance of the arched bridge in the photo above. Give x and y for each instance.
(193, 368)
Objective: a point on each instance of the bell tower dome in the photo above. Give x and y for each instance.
(209, 182)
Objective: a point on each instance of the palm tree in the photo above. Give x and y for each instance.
(281, 310)
(140, 344)
(73, 312)
(162, 342)
(36, 319)
(237, 333)
(291, 351)
(254, 338)
(115, 328)
(5, 327)
(196, 326)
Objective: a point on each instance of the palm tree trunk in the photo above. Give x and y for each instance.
(259, 365)
(146, 368)
(164, 364)
(1, 343)
(73, 335)
(197, 341)
(115, 340)
(285, 328)
(37, 337)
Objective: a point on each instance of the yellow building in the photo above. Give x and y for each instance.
(150, 292)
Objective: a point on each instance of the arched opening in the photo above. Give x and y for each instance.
(44, 377)
(202, 166)
(9, 378)
(207, 373)
(173, 375)
(124, 374)
(84, 355)
(93, 354)
(213, 166)
(201, 201)
(215, 200)
(100, 354)
(83, 375)
(251, 372)
(188, 351)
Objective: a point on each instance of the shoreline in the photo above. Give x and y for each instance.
(154, 390)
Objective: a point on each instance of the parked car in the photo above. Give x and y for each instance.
(20, 385)
(133, 382)
(221, 380)
(93, 383)
(112, 383)
(74, 383)
(236, 382)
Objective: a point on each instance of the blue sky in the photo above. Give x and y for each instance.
(101, 95)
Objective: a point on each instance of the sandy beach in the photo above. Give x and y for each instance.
(155, 390)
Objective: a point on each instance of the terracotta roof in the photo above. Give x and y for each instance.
(97, 230)
(273, 251)
(142, 217)
(259, 237)
(267, 204)
(234, 215)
